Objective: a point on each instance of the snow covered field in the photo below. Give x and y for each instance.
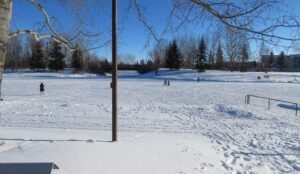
(186, 128)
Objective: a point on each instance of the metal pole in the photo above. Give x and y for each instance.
(296, 109)
(269, 104)
(114, 70)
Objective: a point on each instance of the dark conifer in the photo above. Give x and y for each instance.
(281, 61)
(56, 61)
(77, 58)
(245, 58)
(37, 60)
(211, 59)
(201, 56)
(173, 56)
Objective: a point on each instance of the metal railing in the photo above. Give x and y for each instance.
(247, 101)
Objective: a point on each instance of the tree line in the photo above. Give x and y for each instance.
(182, 52)
(24, 53)
(270, 61)
(188, 52)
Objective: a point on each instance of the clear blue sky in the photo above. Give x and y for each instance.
(132, 34)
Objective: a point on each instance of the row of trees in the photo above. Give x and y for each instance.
(174, 58)
(270, 61)
(53, 59)
(195, 53)
(36, 55)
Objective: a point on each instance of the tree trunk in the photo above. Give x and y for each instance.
(5, 16)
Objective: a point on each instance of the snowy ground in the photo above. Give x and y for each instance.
(186, 128)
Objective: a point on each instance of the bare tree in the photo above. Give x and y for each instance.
(14, 53)
(157, 55)
(188, 47)
(127, 59)
(212, 42)
(233, 47)
(258, 19)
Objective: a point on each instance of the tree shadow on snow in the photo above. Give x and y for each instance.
(23, 95)
(287, 106)
(55, 140)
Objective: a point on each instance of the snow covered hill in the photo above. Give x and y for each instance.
(189, 127)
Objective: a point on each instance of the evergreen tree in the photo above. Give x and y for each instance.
(211, 59)
(168, 57)
(201, 57)
(219, 62)
(56, 61)
(142, 62)
(77, 58)
(245, 58)
(173, 56)
(271, 60)
(281, 61)
(37, 59)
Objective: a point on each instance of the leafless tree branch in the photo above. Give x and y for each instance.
(47, 18)
(39, 37)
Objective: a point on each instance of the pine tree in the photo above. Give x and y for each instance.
(77, 58)
(245, 58)
(201, 57)
(37, 59)
(281, 61)
(173, 56)
(56, 61)
(177, 55)
(169, 57)
(211, 59)
(271, 59)
(219, 62)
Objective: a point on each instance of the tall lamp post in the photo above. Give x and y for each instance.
(114, 71)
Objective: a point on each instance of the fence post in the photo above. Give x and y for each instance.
(269, 104)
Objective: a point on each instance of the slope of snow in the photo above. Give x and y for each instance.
(188, 127)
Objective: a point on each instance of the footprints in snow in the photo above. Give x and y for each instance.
(233, 162)
(201, 166)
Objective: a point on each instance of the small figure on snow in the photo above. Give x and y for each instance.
(165, 82)
(42, 88)
(198, 79)
(168, 82)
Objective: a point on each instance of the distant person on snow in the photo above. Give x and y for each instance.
(198, 79)
(42, 89)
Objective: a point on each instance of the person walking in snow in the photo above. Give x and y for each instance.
(42, 88)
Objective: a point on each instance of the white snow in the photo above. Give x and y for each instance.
(188, 127)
